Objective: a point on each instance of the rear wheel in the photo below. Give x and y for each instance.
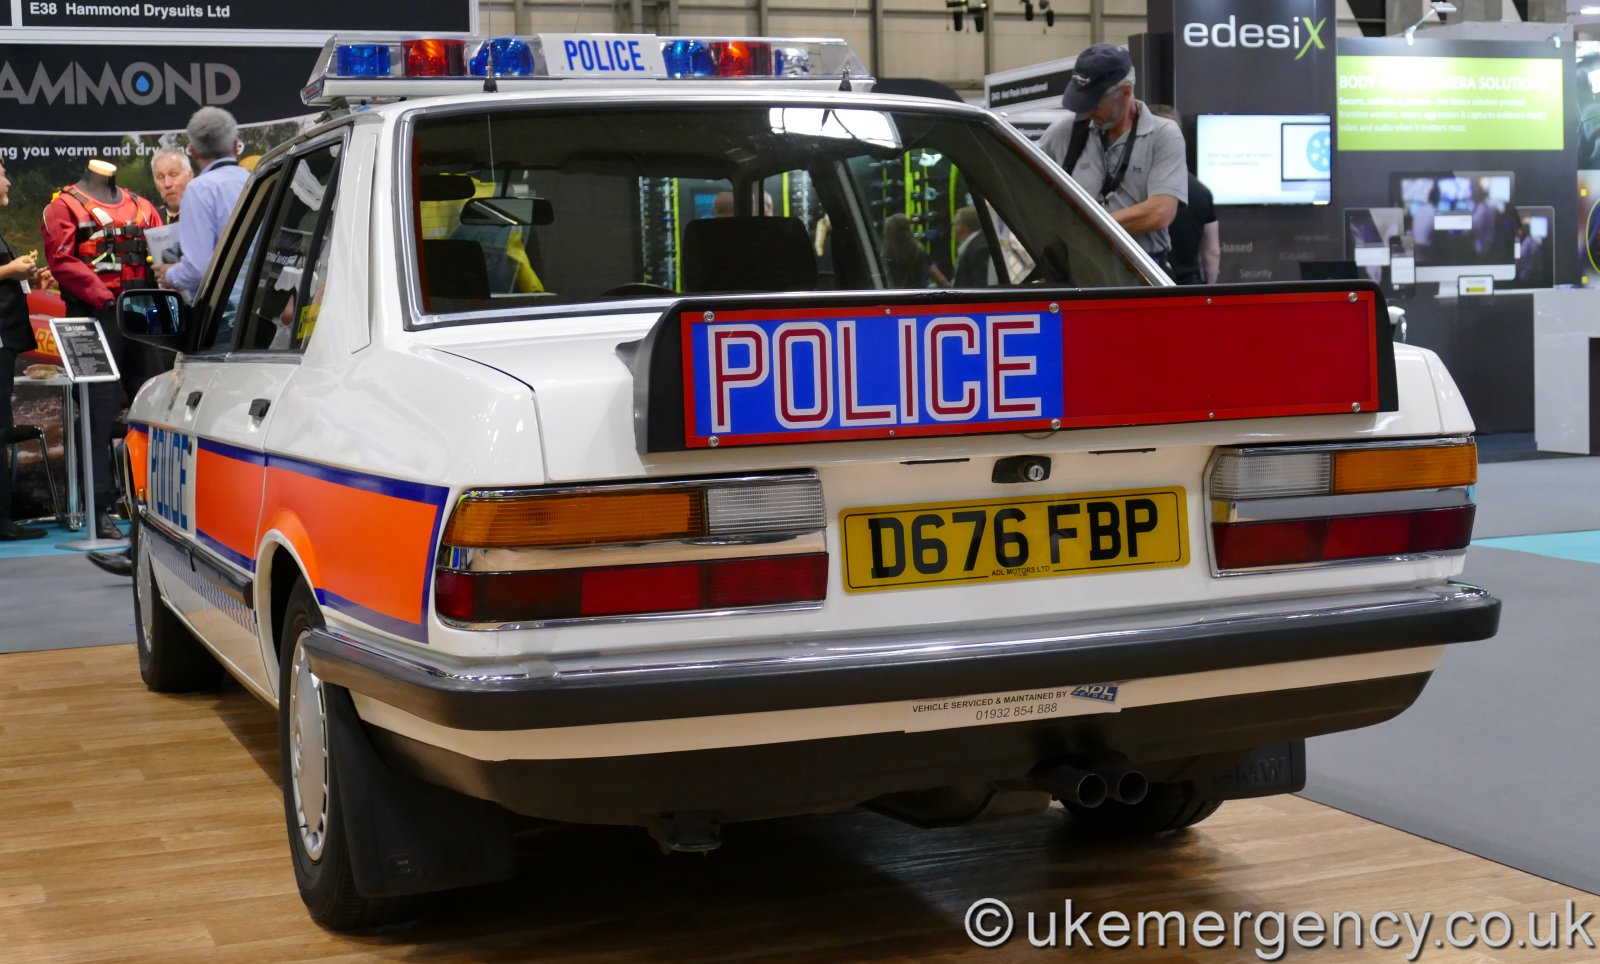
(171, 659)
(1167, 807)
(318, 839)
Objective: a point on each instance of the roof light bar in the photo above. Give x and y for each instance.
(364, 68)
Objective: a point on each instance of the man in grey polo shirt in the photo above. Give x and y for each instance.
(1132, 160)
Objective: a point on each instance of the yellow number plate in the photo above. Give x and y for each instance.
(986, 540)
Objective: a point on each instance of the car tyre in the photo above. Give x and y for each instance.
(1166, 808)
(318, 838)
(171, 659)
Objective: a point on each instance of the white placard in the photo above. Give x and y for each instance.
(614, 56)
(1018, 706)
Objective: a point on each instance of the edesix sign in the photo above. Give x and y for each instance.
(756, 377)
(1300, 34)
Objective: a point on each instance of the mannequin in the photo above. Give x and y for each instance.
(100, 182)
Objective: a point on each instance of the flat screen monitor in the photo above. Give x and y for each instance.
(1459, 219)
(1248, 159)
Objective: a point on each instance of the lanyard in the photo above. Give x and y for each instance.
(1109, 186)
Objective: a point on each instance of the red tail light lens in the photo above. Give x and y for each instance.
(522, 597)
(1250, 545)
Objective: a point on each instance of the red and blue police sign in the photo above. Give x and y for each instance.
(756, 377)
(769, 371)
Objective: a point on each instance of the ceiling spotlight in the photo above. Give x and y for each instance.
(977, 8)
(1027, 10)
(1438, 8)
(956, 8)
(1049, 14)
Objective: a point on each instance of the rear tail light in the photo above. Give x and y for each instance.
(1295, 506)
(520, 597)
(529, 556)
(1254, 544)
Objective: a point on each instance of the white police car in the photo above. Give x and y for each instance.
(610, 447)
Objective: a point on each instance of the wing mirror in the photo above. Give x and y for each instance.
(1397, 321)
(153, 316)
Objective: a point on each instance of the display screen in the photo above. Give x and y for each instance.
(1459, 217)
(1417, 103)
(1265, 158)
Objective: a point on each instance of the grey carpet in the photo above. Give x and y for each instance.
(62, 602)
(1499, 756)
(1547, 495)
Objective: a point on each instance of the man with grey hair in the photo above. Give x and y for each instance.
(1121, 153)
(169, 167)
(208, 200)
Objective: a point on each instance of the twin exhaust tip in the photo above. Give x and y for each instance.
(1092, 787)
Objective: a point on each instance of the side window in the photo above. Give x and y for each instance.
(288, 289)
(238, 252)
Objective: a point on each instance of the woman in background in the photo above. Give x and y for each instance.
(907, 265)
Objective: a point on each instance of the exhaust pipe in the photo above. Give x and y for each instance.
(1123, 784)
(1069, 784)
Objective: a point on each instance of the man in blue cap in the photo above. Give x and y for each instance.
(1120, 152)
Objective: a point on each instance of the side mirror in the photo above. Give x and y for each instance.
(152, 316)
(507, 212)
(1397, 321)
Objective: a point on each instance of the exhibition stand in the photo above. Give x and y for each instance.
(1566, 368)
(1439, 164)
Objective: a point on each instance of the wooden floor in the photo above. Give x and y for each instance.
(142, 827)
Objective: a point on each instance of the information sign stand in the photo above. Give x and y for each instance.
(87, 359)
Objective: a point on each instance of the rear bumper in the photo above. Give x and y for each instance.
(1172, 742)
(809, 673)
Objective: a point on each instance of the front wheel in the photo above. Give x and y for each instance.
(318, 839)
(1167, 807)
(171, 659)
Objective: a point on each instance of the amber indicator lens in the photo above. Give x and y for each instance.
(582, 519)
(1390, 470)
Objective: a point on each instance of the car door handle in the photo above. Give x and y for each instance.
(258, 409)
(193, 399)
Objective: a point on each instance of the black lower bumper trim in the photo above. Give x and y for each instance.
(1168, 743)
(1051, 656)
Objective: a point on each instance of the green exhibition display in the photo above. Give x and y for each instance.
(1449, 104)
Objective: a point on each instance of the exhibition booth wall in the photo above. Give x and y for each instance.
(79, 82)
(1444, 170)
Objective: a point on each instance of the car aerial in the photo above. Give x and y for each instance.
(564, 429)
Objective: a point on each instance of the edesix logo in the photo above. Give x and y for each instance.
(1300, 35)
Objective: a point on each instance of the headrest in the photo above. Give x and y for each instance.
(748, 254)
(455, 268)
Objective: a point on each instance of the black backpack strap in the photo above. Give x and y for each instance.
(1080, 139)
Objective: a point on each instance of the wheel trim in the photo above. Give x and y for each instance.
(308, 753)
(144, 595)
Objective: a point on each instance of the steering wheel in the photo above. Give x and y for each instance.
(639, 288)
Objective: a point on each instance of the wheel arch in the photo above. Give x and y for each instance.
(284, 558)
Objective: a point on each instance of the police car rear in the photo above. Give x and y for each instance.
(816, 528)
